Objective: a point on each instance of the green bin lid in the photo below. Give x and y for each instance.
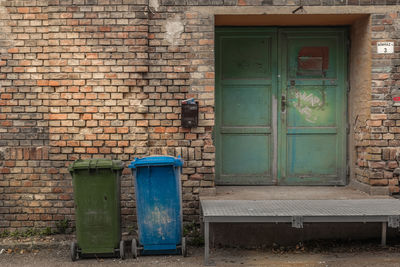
(82, 164)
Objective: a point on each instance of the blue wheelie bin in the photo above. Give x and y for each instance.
(158, 205)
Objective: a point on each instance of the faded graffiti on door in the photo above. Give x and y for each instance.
(308, 103)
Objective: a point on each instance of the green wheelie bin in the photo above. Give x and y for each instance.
(96, 184)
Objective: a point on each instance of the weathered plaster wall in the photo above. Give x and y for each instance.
(359, 98)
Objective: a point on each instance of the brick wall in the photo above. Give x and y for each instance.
(104, 78)
(383, 124)
(97, 78)
(27, 185)
(377, 143)
(72, 86)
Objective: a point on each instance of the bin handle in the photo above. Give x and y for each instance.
(90, 165)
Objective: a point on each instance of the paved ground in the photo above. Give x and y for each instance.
(54, 251)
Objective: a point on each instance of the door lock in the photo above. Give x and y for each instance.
(283, 103)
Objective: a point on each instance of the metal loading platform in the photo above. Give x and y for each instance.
(298, 212)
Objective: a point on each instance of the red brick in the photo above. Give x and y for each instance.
(111, 143)
(171, 129)
(65, 15)
(65, 197)
(142, 123)
(123, 130)
(86, 116)
(58, 116)
(42, 82)
(92, 55)
(6, 123)
(159, 130)
(19, 69)
(105, 28)
(27, 183)
(53, 171)
(90, 137)
(13, 50)
(5, 170)
(92, 150)
(190, 136)
(23, 10)
(25, 63)
(378, 28)
(374, 123)
(72, 143)
(92, 109)
(378, 182)
(105, 150)
(123, 143)
(206, 41)
(110, 130)
(98, 143)
(54, 83)
(9, 163)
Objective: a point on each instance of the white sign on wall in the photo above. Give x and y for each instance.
(385, 47)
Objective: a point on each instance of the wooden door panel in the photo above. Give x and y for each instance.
(246, 105)
(245, 56)
(245, 158)
(245, 86)
(313, 129)
(310, 156)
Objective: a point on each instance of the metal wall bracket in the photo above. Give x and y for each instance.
(394, 221)
(297, 221)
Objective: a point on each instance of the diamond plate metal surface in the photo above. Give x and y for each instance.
(354, 207)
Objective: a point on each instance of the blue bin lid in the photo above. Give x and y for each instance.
(156, 161)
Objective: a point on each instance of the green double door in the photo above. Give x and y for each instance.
(281, 106)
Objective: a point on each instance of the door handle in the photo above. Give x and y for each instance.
(283, 103)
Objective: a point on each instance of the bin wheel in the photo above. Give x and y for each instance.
(122, 250)
(183, 247)
(74, 251)
(134, 248)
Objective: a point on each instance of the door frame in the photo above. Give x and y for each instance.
(278, 88)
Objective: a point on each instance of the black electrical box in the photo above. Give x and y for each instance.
(190, 114)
